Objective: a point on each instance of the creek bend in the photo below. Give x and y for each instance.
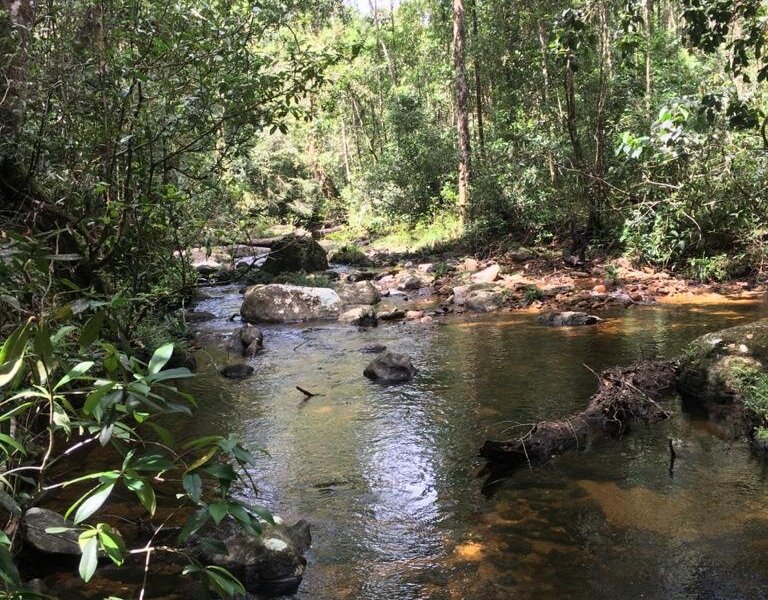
(387, 475)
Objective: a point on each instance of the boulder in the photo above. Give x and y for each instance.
(487, 275)
(568, 318)
(295, 253)
(360, 276)
(36, 521)
(484, 300)
(360, 292)
(246, 341)
(461, 292)
(363, 316)
(713, 368)
(271, 563)
(199, 317)
(410, 281)
(277, 303)
(236, 371)
(391, 315)
(390, 367)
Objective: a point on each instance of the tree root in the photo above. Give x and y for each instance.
(624, 395)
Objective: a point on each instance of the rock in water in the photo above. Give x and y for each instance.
(390, 367)
(568, 318)
(361, 292)
(246, 341)
(277, 303)
(296, 253)
(373, 349)
(236, 371)
(37, 520)
(362, 316)
(271, 563)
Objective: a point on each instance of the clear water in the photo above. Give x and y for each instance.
(388, 475)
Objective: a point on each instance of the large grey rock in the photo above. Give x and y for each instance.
(461, 292)
(363, 316)
(272, 562)
(37, 520)
(277, 303)
(296, 253)
(390, 367)
(246, 341)
(568, 318)
(484, 300)
(360, 292)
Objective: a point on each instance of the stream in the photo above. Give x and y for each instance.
(388, 475)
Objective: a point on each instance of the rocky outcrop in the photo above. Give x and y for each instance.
(271, 563)
(277, 303)
(294, 253)
(568, 318)
(362, 316)
(390, 367)
(34, 525)
(360, 292)
(246, 341)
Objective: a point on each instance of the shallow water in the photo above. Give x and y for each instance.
(388, 475)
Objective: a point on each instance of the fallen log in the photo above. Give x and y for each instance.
(624, 395)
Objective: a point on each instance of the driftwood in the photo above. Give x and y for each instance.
(624, 395)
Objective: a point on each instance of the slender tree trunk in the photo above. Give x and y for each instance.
(545, 97)
(462, 118)
(478, 79)
(648, 18)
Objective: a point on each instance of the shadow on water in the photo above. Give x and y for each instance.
(387, 475)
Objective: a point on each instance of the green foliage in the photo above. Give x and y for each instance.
(710, 268)
(611, 275)
(349, 255)
(532, 294)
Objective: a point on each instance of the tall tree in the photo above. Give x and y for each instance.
(462, 117)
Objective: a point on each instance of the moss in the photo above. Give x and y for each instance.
(350, 255)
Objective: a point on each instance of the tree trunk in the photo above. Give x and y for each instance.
(462, 117)
(478, 80)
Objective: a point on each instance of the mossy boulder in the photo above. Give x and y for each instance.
(713, 367)
(295, 253)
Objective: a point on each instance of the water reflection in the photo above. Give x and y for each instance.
(388, 475)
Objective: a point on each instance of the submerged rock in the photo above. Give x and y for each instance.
(568, 318)
(236, 371)
(246, 341)
(199, 317)
(37, 520)
(390, 367)
(295, 253)
(363, 316)
(361, 292)
(373, 349)
(271, 563)
(278, 303)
